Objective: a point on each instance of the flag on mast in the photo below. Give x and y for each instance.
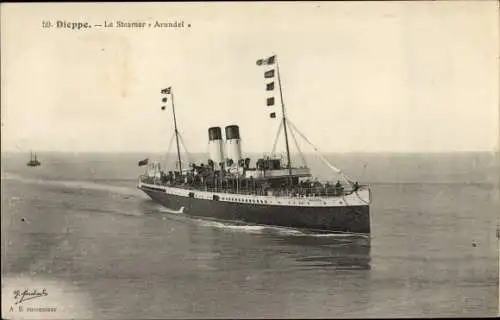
(269, 74)
(143, 162)
(266, 61)
(166, 90)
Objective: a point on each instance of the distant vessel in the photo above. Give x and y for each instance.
(272, 192)
(33, 161)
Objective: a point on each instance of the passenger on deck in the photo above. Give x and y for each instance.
(338, 188)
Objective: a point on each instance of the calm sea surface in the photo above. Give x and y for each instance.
(78, 227)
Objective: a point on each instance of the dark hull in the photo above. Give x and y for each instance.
(339, 219)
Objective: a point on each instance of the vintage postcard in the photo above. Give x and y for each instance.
(250, 160)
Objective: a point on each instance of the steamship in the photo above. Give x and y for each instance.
(272, 191)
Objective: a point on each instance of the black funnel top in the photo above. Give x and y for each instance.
(232, 132)
(214, 133)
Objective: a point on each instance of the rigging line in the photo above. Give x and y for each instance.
(359, 197)
(297, 144)
(184, 145)
(314, 147)
(168, 149)
(337, 170)
(276, 138)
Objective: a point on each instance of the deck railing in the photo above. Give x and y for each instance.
(298, 191)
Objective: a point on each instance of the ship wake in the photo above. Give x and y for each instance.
(73, 184)
(273, 230)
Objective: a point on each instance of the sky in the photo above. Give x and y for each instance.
(356, 77)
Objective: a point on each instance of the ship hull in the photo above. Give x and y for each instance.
(349, 218)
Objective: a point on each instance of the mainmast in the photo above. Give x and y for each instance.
(289, 164)
(168, 91)
(270, 102)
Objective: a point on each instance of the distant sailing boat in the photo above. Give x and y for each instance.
(33, 162)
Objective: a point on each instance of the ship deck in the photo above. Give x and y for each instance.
(360, 197)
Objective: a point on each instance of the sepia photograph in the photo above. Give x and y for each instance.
(250, 160)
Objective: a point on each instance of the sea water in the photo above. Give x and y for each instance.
(78, 227)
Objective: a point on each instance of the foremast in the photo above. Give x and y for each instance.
(165, 93)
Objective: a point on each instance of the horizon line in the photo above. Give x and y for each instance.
(253, 152)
